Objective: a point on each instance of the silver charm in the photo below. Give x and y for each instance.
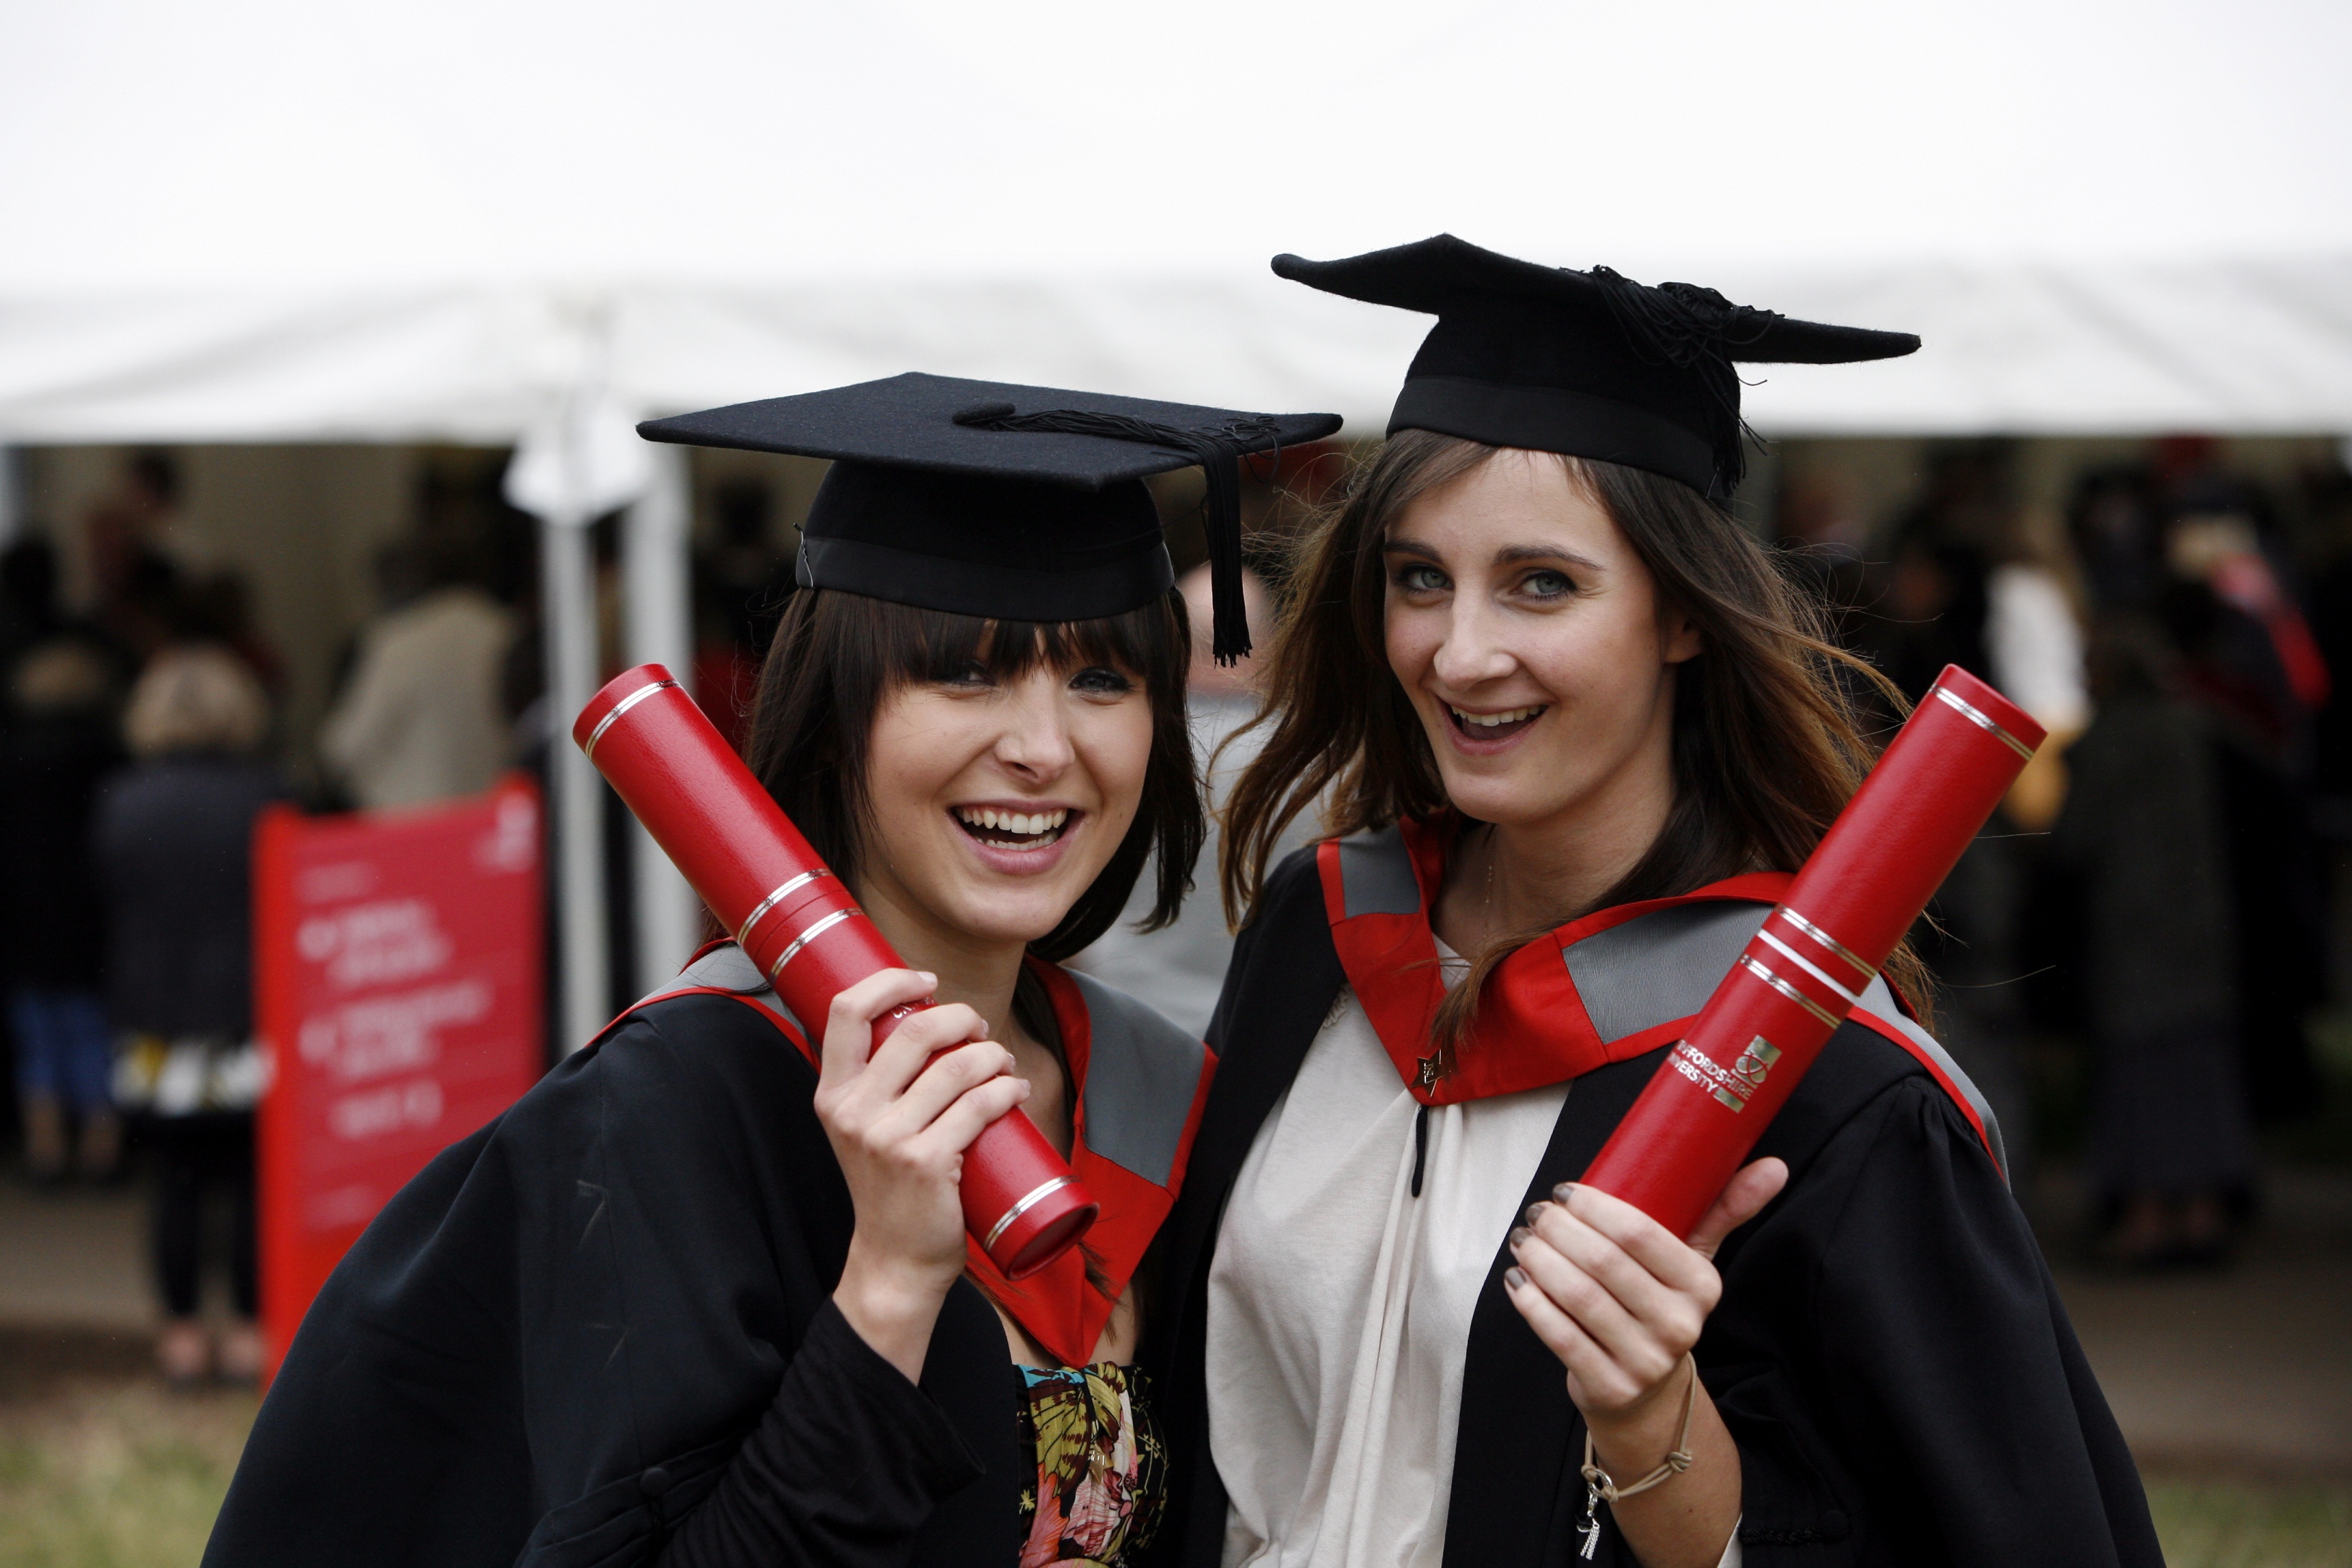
(1590, 1527)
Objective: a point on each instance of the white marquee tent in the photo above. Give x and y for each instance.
(514, 220)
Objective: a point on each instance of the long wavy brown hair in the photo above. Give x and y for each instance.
(1768, 740)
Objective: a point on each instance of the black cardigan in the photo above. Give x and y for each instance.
(173, 843)
(1890, 1353)
(599, 1331)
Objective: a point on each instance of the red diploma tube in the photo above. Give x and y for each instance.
(794, 920)
(1864, 886)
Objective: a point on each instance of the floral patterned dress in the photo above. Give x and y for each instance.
(1102, 1472)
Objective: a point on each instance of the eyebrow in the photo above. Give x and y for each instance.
(1521, 555)
(1510, 555)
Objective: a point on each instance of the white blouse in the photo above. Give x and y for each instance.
(1339, 1306)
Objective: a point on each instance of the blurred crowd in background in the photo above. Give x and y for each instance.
(131, 768)
(2157, 889)
(2132, 956)
(140, 741)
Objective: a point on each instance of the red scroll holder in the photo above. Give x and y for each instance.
(1864, 886)
(794, 920)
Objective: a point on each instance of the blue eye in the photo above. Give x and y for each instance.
(1548, 585)
(1418, 578)
(971, 672)
(1102, 680)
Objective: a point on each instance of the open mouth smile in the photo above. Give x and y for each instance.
(1495, 726)
(1014, 830)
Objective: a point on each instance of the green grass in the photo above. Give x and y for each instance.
(111, 1474)
(2231, 1524)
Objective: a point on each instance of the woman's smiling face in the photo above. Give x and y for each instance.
(997, 800)
(1532, 642)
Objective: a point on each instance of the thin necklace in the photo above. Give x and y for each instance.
(1491, 831)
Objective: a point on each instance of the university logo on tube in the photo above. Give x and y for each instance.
(1731, 1085)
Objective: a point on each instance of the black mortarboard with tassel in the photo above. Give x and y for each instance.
(1591, 364)
(1020, 503)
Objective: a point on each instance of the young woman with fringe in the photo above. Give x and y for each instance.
(704, 1297)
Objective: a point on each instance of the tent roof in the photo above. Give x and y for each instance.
(265, 220)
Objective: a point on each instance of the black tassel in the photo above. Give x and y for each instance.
(1694, 328)
(1229, 641)
(1218, 452)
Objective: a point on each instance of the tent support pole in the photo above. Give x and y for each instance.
(568, 602)
(656, 554)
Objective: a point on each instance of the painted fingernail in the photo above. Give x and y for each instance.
(1535, 1213)
(1562, 1193)
(1516, 1279)
(1520, 1233)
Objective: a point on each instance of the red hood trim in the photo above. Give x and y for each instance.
(1532, 1030)
(1059, 1306)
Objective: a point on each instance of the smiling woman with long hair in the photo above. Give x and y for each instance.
(1571, 731)
(704, 1296)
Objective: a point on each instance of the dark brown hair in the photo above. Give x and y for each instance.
(837, 657)
(1767, 744)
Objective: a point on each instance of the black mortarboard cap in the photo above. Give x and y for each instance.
(1014, 502)
(1591, 364)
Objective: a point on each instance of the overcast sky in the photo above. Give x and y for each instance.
(267, 139)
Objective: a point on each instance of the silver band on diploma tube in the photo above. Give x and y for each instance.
(1024, 1207)
(743, 932)
(1785, 989)
(623, 706)
(805, 938)
(1969, 711)
(1828, 942)
(1810, 967)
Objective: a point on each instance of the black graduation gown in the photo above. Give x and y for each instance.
(599, 1332)
(549, 1346)
(1890, 1353)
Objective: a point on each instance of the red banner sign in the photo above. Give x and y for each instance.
(399, 981)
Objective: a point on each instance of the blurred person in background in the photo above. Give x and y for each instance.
(2246, 656)
(2327, 502)
(2143, 833)
(30, 610)
(139, 554)
(1825, 540)
(60, 684)
(174, 838)
(398, 569)
(1966, 587)
(2179, 539)
(2219, 534)
(218, 608)
(423, 718)
(1179, 968)
(2112, 524)
(739, 585)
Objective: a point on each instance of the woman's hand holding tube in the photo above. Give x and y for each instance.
(1621, 1301)
(899, 1129)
